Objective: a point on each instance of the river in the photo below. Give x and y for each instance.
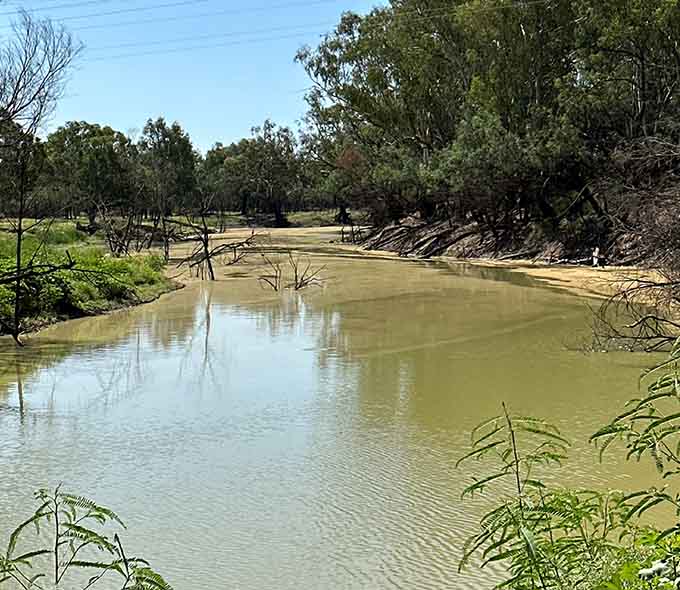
(274, 441)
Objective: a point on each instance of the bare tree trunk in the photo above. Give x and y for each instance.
(166, 238)
(16, 327)
(206, 248)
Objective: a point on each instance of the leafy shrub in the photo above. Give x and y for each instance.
(97, 283)
(570, 539)
(71, 535)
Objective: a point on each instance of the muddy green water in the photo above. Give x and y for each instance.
(256, 440)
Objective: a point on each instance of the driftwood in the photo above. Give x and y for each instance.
(303, 274)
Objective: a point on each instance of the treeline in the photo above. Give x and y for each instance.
(556, 117)
(532, 120)
(528, 126)
(118, 183)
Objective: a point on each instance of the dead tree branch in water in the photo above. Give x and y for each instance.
(304, 274)
(273, 278)
(201, 258)
(304, 277)
(641, 315)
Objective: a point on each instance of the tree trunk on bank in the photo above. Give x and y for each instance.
(16, 324)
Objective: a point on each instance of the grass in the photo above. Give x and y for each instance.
(234, 219)
(99, 282)
(62, 233)
(322, 218)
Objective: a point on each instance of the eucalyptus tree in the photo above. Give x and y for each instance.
(91, 166)
(168, 165)
(553, 119)
(223, 175)
(391, 86)
(272, 168)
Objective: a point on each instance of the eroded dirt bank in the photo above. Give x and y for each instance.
(415, 237)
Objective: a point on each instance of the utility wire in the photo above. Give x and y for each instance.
(302, 28)
(421, 16)
(55, 6)
(130, 10)
(198, 47)
(255, 9)
(155, 20)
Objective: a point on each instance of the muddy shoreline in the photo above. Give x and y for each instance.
(579, 280)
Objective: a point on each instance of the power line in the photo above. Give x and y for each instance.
(132, 10)
(421, 17)
(211, 36)
(155, 20)
(55, 7)
(255, 9)
(199, 47)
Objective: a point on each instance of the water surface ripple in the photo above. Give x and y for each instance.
(282, 441)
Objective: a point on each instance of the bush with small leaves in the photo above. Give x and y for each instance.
(70, 535)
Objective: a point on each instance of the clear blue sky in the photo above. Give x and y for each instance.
(219, 67)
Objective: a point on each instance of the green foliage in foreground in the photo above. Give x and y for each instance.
(578, 539)
(96, 284)
(68, 534)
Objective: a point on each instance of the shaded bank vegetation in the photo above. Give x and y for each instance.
(530, 128)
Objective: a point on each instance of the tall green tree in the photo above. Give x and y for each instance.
(168, 162)
(91, 166)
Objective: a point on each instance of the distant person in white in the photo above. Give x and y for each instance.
(596, 256)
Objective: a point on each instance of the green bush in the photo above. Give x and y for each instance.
(68, 534)
(576, 539)
(96, 284)
(59, 234)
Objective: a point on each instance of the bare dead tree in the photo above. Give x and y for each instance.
(304, 275)
(641, 315)
(119, 232)
(273, 278)
(34, 64)
(200, 260)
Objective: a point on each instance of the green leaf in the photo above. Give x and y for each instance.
(479, 452)
(14, 537)
(480, 484)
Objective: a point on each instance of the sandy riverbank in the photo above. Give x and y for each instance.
(581, 280)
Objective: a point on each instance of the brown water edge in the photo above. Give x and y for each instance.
(577, 279)
(289, 440)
